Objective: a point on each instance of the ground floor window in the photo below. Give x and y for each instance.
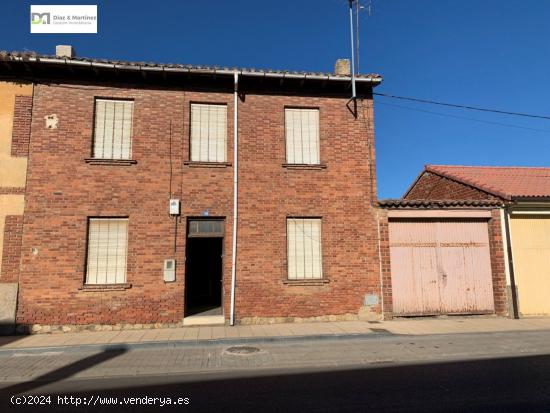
(304, 248)
(107, 250)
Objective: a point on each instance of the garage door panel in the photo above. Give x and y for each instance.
(414, 294)
(466, 282)
(427, 291)
(479, 269)
(533, 282)
(531, 255)
(403, 280)
(414, 268)
(452, 282)
(440, 266)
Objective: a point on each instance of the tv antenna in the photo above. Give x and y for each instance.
(352, 35)
(368, 6)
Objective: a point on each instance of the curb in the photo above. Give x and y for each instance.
(191, 343)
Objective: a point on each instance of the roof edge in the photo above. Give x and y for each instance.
(488, 190)
(374, 79)
(411, 186)
(439, 203)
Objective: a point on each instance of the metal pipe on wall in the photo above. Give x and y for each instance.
(353, 95)
(515, 306)
(235, 196)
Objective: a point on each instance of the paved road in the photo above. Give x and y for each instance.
(469, 372)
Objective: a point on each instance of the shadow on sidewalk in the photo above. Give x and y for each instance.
(64, 372)
(515, 384)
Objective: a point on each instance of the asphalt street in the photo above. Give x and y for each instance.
(500, 372)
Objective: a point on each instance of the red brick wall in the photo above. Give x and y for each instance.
(385, 263)
(339, 194)
(63, 190)
(21, 132)
(436, 187)
(11, 250)
(8, 190)
(497, 263)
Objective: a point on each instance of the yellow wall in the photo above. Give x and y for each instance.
(531, 255)
(12, 170)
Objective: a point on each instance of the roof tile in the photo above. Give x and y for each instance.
(504, 181)
(443, 203)
(6, 55)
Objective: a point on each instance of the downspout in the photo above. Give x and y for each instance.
(506, 259)
(511, 264)
(235, 194)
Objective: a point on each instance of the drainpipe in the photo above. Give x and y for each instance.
(235, 193)
(505, 252)
(511, 263)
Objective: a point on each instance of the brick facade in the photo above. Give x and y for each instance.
(433, 186)
(11, 255)
(385, 263)
(21, 132)
(497, 263)
(63, 190)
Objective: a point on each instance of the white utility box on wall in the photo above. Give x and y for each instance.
(170, 270)
(174, 207)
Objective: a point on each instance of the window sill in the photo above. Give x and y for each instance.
(320, 281)
(303, 166)
(105, 287)
(119, 162)
(195, 164)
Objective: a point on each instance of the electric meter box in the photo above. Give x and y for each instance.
(170, 270)
(174, 207)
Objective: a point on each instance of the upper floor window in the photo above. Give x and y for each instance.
(208, 133)
(107, 250)
(113, 129)
(302, 136)
(304, 248)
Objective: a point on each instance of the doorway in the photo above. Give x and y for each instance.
(204, 269)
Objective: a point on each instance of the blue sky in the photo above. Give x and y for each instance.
(490, 53)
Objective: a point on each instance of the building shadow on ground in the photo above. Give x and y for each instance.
(63, 372)
(515, 384)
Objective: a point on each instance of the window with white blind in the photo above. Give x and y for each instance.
(208, 133)
(113, 129)
(305, 259)
(302, 136)
(107, 250)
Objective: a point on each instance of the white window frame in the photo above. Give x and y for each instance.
(109, 266)
(302, 136)
(113, 123)
(208, 133)
(304, 248)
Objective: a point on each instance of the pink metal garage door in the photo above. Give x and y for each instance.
(440, 266)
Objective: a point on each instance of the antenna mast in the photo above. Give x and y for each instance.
(358, 8)
(353, 95)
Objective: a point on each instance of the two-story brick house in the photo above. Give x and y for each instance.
(111, 143)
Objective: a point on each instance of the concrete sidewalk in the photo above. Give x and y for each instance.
(272, 332)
